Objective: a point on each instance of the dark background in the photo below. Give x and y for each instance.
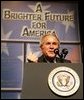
(81, 20)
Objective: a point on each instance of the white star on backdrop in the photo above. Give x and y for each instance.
(30, 50)
(21, 58)
(4, 47)
(69, 23)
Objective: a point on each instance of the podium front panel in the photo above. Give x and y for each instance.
(35, 81)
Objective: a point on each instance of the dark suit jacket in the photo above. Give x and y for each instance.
(58, 60)
(42, 59)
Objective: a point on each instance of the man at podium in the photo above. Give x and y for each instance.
(49, 45)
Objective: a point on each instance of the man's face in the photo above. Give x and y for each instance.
(49, 45)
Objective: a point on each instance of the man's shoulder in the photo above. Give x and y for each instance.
(41, 59)
(59, 60)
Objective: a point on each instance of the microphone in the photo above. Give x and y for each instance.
(56, 51)
(65, 52)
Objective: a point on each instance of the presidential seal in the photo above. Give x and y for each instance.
(63, 81)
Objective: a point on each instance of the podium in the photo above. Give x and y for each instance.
(35, 81)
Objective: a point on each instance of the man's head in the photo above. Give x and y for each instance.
(48, 44)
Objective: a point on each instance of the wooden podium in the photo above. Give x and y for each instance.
(35, 81)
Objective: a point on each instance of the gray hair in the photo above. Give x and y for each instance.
(48, 34)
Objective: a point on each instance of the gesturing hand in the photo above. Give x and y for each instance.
(31, 56)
